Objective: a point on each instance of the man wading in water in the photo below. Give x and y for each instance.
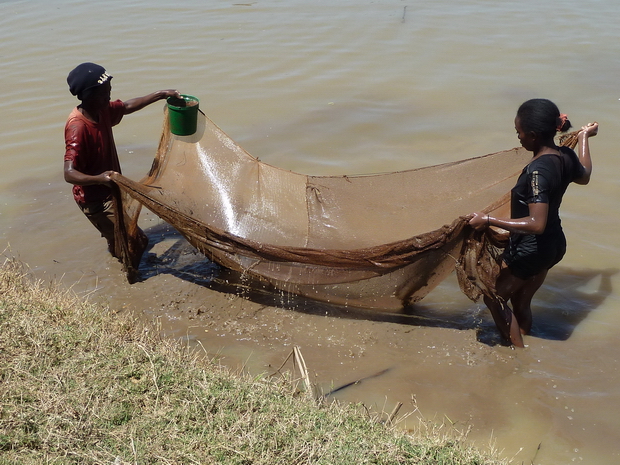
(90, 152)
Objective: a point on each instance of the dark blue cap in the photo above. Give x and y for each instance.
(86, 76)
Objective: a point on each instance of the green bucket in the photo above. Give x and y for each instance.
(183, 115)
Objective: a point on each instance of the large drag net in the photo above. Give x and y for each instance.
(377, 241)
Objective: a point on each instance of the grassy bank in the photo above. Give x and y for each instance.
(81, 384)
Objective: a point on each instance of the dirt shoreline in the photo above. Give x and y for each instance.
(441, 360)
(375, 358)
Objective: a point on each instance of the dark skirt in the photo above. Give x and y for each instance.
(529, 254)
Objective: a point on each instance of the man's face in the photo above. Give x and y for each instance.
(100, 96)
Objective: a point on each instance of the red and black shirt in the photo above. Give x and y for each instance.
(90, 147)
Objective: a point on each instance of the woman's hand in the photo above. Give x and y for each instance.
(479, 221)
(589, 130)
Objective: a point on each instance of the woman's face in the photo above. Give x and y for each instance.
(526, 139)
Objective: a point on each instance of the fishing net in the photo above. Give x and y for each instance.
(375, 241)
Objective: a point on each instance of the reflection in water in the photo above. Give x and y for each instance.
(560, 306)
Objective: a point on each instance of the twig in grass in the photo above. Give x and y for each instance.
(283, 363)
(154, 373)
(245, 364)
(394, 412)
(304, 372)
(298, 360)
(135, 452)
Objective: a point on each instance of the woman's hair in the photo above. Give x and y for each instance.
(542, 117)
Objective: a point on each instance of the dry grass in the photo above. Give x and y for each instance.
(80, 384)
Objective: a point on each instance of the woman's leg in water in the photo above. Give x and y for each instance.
(506, 286)
(522, 301)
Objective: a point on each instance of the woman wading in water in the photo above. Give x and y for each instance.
(537, 241)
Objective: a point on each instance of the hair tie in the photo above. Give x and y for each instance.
(563, 117)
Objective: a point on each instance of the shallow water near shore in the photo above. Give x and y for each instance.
(342, 88)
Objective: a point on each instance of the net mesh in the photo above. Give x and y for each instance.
(375, 241)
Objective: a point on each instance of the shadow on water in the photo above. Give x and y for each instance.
(564, 301)
(567, 298)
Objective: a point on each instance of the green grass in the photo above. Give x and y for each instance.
(82, 384)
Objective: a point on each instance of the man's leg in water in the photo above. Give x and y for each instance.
(101, 215)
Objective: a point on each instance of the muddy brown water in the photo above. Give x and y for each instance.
(331, 88)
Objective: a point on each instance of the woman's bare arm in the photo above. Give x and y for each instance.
(587, 131)
(535, 223)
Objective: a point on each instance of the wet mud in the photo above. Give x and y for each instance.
(443, 360)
